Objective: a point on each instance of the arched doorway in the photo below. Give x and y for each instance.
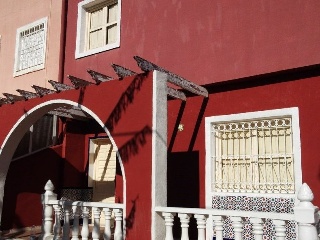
(23, 124)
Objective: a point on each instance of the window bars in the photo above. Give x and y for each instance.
(253, 156)
(31, 51)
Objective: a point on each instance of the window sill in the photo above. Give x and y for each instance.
(28, 70)
(105, 48)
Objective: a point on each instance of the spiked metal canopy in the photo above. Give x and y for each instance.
(122, 71)
(13, 98)
(41, 91)
(77, 82)
(60, 86)
(98, 77)
(77, 113)
(172, 77)
(27, 95)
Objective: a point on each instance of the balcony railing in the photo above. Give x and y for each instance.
(204, 217)
(210, 222)
(52, 213)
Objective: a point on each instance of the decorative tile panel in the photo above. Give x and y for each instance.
(76, 194)
(258, 204)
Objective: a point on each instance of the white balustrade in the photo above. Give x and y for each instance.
(218, 223)
(305, 214)
(107, 226)
(75, 227)
(96, 223)
(168, 219)
(118, 219)
(57, 224)
(85, 223)
(184, 220)
(201, 225)
(237, 227)
(66, 223)
(280, 227)
(79, 209)
(257, 228)
(47, 221)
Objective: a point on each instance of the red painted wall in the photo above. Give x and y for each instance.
(74, 171)
(247, 97)
(130, 126)
(128, 115)
(207, 41)
(25, 184)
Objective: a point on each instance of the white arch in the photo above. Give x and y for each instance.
(22, 125)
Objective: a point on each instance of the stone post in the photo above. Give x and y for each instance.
(306, 214)
(47, 220)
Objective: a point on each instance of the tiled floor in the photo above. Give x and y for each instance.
(30, 233)
(26, 233)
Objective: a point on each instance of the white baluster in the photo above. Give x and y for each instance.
(96, 223)
(257, 228)
(85, 224)
(107, 225)
(47, 222)
(57, 224)
(201, 225)
(118, 220)
(75, 227)
(218, 222)
(306, 214)
(184, 220)
(237, 227)
(168, 221)
(66, 223)
(280, 227)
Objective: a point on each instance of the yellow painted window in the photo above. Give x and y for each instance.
(253, 156)
(102, 24)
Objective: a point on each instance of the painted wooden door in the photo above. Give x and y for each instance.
(104, 171)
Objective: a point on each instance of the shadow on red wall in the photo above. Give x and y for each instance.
(24, 185)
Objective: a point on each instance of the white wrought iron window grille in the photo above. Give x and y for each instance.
(253, 155)
(30, 47)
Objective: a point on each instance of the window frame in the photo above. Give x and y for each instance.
(81, 38)
(17, 72)
(296, 149)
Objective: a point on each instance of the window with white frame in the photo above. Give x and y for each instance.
(257, 152)
(30, 47)
(98, 26)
